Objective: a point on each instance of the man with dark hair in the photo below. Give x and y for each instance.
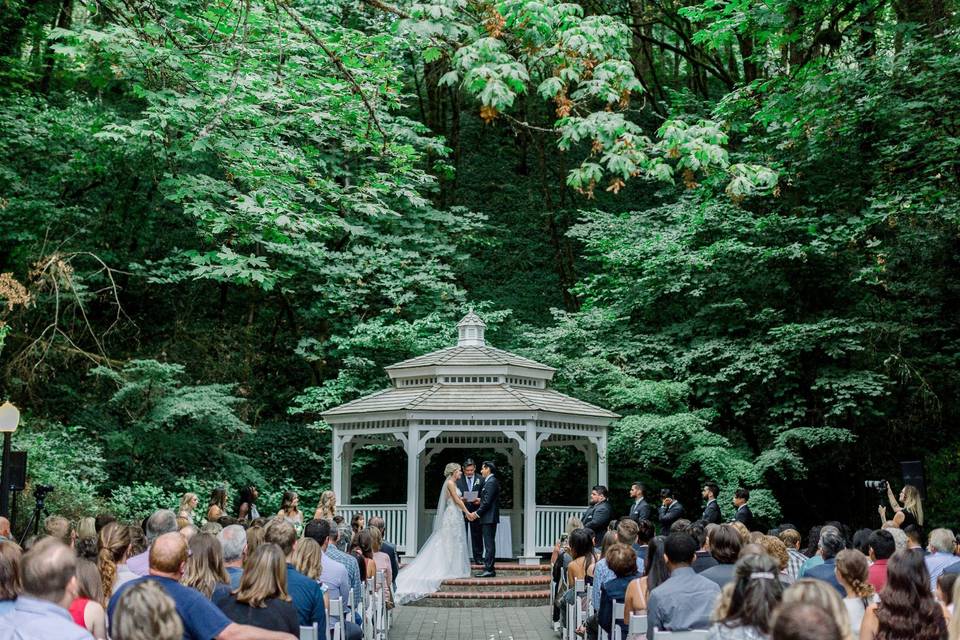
(470, 482)
(645, 533)
(914, 538)
(831, 544)
(102, 520)
(333, 576)
(685, 600)
(159, 523)
(641, 509)
(701, 533)
(724, 544)
(489, 516)
(202, 620)
(623, 562)
(803, 621)
(740, 499)
(49, 581)
(711, 512)
(882, 546)
(306, 594)
(670, 510)
(598, 515)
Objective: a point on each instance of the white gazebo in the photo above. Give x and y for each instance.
(468, 397)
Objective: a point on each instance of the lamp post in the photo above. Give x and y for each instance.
(9, 419)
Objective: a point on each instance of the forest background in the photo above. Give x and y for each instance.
(735, 222)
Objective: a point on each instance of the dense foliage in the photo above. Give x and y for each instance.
(735, 223)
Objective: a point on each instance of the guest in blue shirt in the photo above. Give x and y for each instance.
(831, 543)
(201, 619)
(685, 600)
(941, 546)
(306, 593)
(622, 560)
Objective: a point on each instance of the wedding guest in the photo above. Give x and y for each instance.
(334, 553)
(802, 621)
(362, 546)
(899, 537)
(945, 584)
(210, 528)
(233, 540)
(655, 573)
(306, 593)
(907, 610)
(290, 511)
(86, 609)
(941, 546)
(382, 562)
(217, 504)
(333, 574)
(86, 548)
(581, 548)
(685, 600)
(861, 541)
(816, 559)
(112, 559)
(247, 504)
(60, 528)
(188, 504)
(600, 571)
(327, 507)
(254, 538)
(954, 628)
(820, 594)
(704, 559)
(377, 522)
(561, 548)
(138, 541)
(159, 523)
(262, 600)
(725, 548)
(204, 570)
(791, 539)
(357, 524)
(831, 543)
(10, 586)
(5, 529)
(755, 593)
(778, 551)
(742, 531)
(145, 612)
(623, 562)
(598, 515)
(49, 584)
(853, 575)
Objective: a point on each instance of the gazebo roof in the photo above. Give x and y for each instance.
(449, 398)
(469, 357)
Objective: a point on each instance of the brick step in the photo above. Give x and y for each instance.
(514, 566)
(500, 583)
(484, 599)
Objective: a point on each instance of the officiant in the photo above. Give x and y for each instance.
(470, 484)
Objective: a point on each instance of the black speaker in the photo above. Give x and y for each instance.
(18, 470)
(913, 474)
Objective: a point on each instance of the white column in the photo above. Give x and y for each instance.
(346, 467)
(516, 461)
(602, 459)
(413, 489)
(590, 453)
(530, 449)
(336, 466)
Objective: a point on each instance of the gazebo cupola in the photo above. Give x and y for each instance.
(468, 397)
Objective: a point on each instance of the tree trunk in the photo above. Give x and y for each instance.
(746, 51)
(64, 20)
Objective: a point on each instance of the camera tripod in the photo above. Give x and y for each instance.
(34, 521)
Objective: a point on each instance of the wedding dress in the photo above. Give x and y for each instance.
(442, 557)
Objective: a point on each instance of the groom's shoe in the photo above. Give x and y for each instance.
(488, 574)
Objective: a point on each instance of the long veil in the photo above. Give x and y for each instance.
(442, 504)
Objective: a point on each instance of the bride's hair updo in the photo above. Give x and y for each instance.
(450, 469)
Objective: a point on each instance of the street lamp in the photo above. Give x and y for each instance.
(9, 419)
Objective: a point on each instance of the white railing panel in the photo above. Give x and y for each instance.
(394, 515)
(550, 524)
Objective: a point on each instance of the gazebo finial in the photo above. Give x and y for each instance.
(471, 329)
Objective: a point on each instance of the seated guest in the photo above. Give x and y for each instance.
(704, 559)
(802, 621)
(686, 599)
(940, 546)
(306, 593)
(159, 523)
(626, 535)
(376, 522)
(233, 541)
(813, 547)
(830, 545)
(861, 541)
(791, 539)
(201, 619)
(899, 537)
(623, 562)
(254, 538)
(881, 546)
(333, 552)
(145, 612)
(112, 558)
(945, 585)
(725, 548)
(774, 547)
(86, 609)
(333, 575)
(599, 514)
(382, 561)
(10, 555)
(645, 533)
(581, 547)
(756, 592)
(914, 538)
(5, 530)
(656, 573)
(853, 574)
(597, 574)
(60, 528)
(261, 600)
(822, 595)
(204, 571)
(49, 581)
(907, 609)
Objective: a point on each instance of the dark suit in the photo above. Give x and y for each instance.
(711, 513)
(642, 510)
(745, 516)
(476, 535)
(391, 551)
(669, 515)
(597, 518)
(489, 512)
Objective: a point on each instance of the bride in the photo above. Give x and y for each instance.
(444, 555)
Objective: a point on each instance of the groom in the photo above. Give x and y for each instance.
(489, 515)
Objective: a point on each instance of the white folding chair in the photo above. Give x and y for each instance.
(336, 612)
(380, 600)
(589, 600)
(616, 616)
(638, 624)
(573, 610)
(310, 633)
(582, 601)
(680, 635)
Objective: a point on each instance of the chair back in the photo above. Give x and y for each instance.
(616, 617)
(699, 634)
(310, 633)
(638, 624)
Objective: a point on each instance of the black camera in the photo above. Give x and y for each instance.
(878, 485)
(41, 490)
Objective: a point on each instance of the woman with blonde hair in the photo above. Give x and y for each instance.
(204, 570)
(262, 599)
(820, 594)
(853, 574)
(145, 612)
(188, 503)
(742, 531)
(327, 507)
(112, 559)
(911, 513)
(254, 539)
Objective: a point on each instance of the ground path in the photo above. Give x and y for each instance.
(506, 623)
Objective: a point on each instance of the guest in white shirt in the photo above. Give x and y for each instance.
(853, 574)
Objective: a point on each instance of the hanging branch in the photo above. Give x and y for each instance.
(340, 66)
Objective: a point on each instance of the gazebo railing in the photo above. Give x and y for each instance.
(394, 515)
(550, 523)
